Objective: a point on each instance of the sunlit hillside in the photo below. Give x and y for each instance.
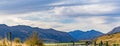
(112, 39)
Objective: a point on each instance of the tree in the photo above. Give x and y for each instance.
(10, 37)
(87, 42)
(34, 40)
(107, 43)
(73, 43)
(95, 43)
(101, 43)
(17, 40)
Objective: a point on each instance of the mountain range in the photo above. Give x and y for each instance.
(23, 31)
(92, 34)
(48, 35)
(88, 35)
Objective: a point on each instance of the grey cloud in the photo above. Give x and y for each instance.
(25, 6)
(21, 6)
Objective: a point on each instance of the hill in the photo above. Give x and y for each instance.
(112, 37)
(88, 35)
(115, 30)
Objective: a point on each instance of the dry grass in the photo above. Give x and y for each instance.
(111, 38)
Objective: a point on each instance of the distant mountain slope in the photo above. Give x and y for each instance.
(115, 30)
(22, 31)
(89, 35)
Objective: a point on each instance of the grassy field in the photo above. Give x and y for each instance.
(63, 44)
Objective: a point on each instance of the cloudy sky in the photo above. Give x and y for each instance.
(62, 15)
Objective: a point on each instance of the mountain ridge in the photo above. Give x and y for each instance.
(48, 35)
(23, 31)
(88, 35)
(115, 30)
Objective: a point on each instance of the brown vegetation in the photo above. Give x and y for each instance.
(110, 38)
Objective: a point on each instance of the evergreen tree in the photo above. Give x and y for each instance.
(101, 43)
(95, 43)
(10, 37)
(86, 43)
(107, 43)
